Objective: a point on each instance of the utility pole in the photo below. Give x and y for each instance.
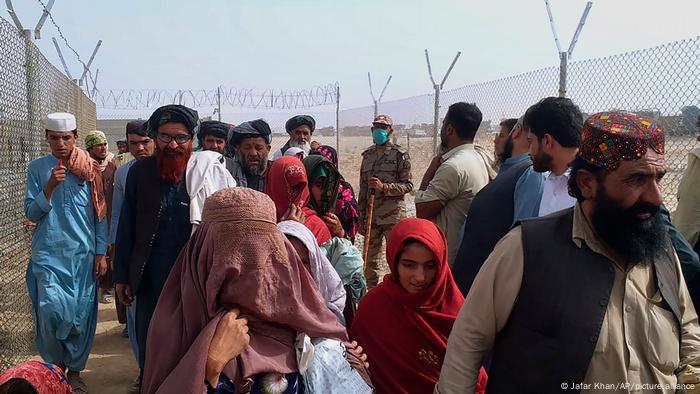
(438, 87)
(564, 56)
(218, 102)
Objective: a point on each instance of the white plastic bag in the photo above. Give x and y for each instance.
(329, 372)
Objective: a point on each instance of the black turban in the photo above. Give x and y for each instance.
(250, 129)
(214, 128)
(173, 113)
(300, 120)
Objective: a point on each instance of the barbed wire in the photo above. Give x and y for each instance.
(135, 99)
(65, 40)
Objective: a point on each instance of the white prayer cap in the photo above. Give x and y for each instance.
(60, 121)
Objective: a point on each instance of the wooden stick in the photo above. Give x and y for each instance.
(370, 213)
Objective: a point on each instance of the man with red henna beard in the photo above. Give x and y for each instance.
(154, 223)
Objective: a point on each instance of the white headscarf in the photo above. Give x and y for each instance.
(294, 151)
(206, 174)
(327, 280)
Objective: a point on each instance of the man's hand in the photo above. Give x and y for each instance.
(334, 225)
(58, 175)
(375, 183)
(28, 225)
(124, 294)
(110, 257)
(100, 265)
(230, 338)
(430, 172)
(294, 213)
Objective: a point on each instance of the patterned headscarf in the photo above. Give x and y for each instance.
(608, 138)
(44, 377)
(95, 137)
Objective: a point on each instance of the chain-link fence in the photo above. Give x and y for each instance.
(30, 87)
(662, 82)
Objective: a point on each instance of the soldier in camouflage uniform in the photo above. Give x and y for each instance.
(385, 171)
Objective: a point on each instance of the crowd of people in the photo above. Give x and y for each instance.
(553, 264)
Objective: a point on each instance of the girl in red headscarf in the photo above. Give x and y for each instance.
(287, 185)
(422, 300)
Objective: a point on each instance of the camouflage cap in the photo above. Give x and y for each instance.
(95, 137)
(383, 119)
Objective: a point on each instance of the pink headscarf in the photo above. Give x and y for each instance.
(236, 258)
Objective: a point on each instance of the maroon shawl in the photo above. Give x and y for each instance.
(236, 258)
(406, 356)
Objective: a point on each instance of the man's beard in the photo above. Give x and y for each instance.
(252, 169)
(305, 146)
(634, 239)
(542, 161)
(172, 162)
(98, 158)
(507, 150)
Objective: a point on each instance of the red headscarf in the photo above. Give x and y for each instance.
(44, 377)
(409, 359)
(286, 183)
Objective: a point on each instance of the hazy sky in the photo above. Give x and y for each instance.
(299, 44)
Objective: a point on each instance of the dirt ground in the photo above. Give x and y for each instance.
(111, 367)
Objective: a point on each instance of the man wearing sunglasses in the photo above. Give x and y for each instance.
(154, 222)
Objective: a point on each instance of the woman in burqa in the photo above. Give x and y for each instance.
(236, 258)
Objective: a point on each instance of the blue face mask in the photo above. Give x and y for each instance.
(380, 136)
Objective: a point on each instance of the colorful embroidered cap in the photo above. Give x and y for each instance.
(608, 138)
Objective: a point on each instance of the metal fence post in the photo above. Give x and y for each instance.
(563, 66)
(32, 77)
(436, 117)
(337, 122)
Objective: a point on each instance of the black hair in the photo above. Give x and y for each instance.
(558, 117)
(136, 127)
(508, 123)
(17, 386)
(580, 164)
(465, 118)
(406, 242)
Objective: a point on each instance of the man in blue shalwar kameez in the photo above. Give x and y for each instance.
(65, 199)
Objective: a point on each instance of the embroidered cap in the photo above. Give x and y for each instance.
(608, 138)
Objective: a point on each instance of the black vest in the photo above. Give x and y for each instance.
(489, 219)
(146, 215)
(553, 328)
